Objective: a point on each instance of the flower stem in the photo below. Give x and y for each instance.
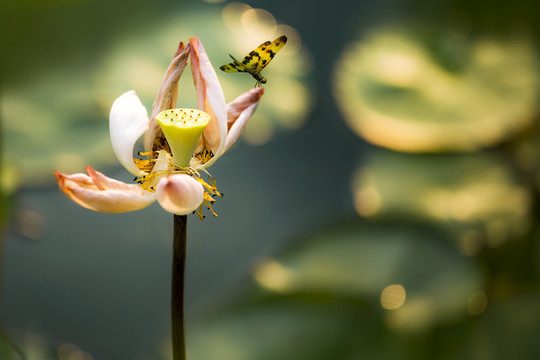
(177, 287)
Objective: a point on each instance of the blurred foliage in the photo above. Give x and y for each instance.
(496, 17)
(38, 347)
(7, 350)
(330, 297)
(8, 189)
(524, 151)
(479, 198)
(509, 329)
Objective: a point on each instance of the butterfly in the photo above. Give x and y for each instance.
(257, 60)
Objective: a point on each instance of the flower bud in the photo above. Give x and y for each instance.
(179, 194)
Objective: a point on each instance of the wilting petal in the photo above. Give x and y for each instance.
(179, 194)
(160, 167)
(210, 99)
(128, 120)
(238, 113)
(100, 193)
(168, 92)
(162, 162)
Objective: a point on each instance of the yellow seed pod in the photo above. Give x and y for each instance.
(182, 129)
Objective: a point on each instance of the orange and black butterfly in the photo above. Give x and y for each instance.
(257, 60)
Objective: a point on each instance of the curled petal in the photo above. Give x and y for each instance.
(179, 194)
(128, 120)
(160, 167)
(168, 92)
(100, 193)
(210, 99)
(238, 113)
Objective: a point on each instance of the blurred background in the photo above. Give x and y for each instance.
(381, 204)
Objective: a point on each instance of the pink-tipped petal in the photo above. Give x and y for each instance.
(239, 111)
(179, 194)
(128, 120)
(100, 193)
(210, 99)
(167, 95)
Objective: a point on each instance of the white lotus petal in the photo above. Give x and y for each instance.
(128, 120)
(100, 193)
(239, 111)
(210, 99)
(179, 194)
(167, 95)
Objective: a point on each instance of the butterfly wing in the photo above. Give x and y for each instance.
(257, 59)
(266, 52)
(253, 59)
(235, 66)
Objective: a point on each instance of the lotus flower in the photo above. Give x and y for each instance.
(179, 143)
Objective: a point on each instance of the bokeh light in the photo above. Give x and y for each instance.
(272, 275)
(32, 224)
(392, 297)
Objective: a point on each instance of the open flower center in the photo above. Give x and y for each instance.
(182, 129)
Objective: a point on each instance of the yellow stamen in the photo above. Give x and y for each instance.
(201, 158)
(209, 193)
(150, 180)
(146, 165)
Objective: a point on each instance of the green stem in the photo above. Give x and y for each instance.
(177, 287)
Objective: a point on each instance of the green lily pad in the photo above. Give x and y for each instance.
(297, 328)
(478, 198)
(279, 329)
(429, 91)
(414, 273)
(508, 329)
